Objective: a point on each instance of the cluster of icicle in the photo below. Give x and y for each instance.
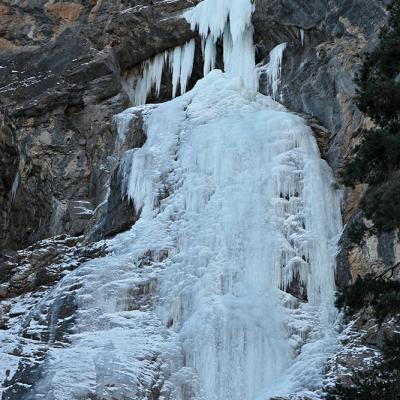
(180, 61)
(229, 20)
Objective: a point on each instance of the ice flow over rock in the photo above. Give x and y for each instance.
(229, 20)
(251, 207)
(236, 207)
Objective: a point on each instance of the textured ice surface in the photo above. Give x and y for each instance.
(251, 206)
(274, 69)
(235, 202)
(229, 20)
(180, 62)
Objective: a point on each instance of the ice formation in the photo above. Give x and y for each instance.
(251, 207)
(274, 69)
(230, 21)
(181, 64)
(236, 206)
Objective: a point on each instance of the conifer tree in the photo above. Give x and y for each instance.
(376, 161)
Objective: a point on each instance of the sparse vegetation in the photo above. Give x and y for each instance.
(381, 381)
(381, 294)
(356, 231)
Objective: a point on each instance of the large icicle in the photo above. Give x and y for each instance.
(180, 60)
(175, 61)
(186, 64)
(209, 54)
(230, 20)
(274, 69)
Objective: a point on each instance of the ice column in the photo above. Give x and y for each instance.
(180, 60)
(274, 69)
(230, 20)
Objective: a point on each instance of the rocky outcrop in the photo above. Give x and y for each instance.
(318, 71)
(362, 340)
(62, 64)
(373, 253)
(41, 265)
(25, 281)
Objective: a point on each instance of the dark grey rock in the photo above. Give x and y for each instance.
(62, 66)
(41, 265)
(317, 77)
(386, 243)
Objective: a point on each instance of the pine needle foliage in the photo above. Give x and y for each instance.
(376, 160)
(382, 295)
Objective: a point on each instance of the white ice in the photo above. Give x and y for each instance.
(180, 60)
(274, 69)
(230, 20)
(251, 207)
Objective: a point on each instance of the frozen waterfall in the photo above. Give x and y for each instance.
(236, 205)
(251, 207)
(236, 208)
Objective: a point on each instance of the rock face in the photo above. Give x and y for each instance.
(327, 41)
(63, 66)
(42, 264)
